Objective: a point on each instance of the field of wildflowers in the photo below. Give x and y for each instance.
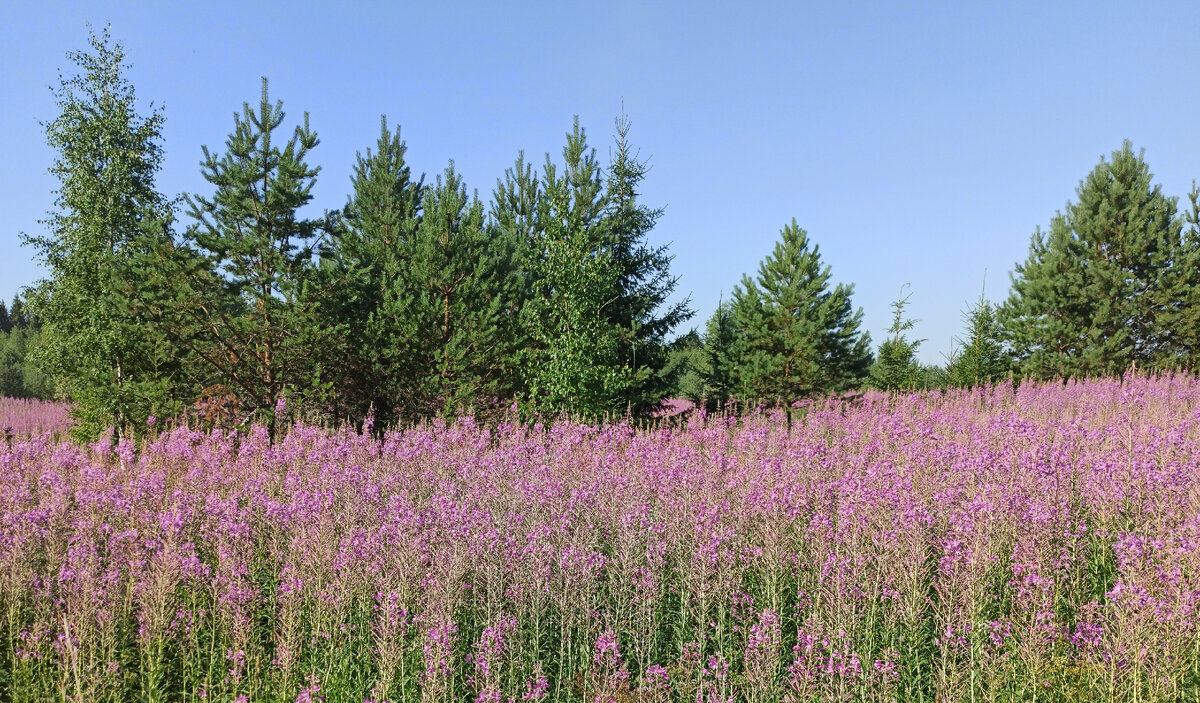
(977, 546)
(21, 418)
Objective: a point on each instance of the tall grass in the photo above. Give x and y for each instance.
(981, 546)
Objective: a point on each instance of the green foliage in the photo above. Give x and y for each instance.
(515, 202)
(720, 362)
(249, 263)
(461, 275)
(21, 316)
(688, 365)
(19, 337)
(932, 377)
(107, 214)
(573, 362)
(981, 358)
(514, 218)
(896, 367)
(1180, 311)
(1045, 316)
(1101, 288)
(793, 336)
(595, 291)
(640, 312)
(373, 354)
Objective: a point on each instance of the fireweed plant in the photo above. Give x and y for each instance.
(993, 545)
(21, 418)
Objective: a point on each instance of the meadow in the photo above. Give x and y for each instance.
(987, 545)
(29, 417)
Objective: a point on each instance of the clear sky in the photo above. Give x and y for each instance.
(917, 143)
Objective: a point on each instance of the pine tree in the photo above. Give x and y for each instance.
(107, 214)
(514, 218)
(640, 312)
(516, 202)
(1092, 298)
(896, 367)
(258, 316)
(461, 278)
(793, 336)
(371, 356)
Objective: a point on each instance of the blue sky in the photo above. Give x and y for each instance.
(917, 143)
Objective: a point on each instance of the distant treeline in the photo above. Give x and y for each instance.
(20, 332)
(417, 299)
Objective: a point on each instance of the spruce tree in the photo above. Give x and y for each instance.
(719, 376)
(16, 312)
(1093, 297)
(1046, 316)
(12, 359)
(794, 337)
(688, 365)
(640, 312)
(981, 357)
(596, 311)
(896, 367)
(20, 377)
(5, 320)
(107, 215)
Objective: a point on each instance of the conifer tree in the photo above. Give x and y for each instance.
(20, 377)
(514, 218)
(516, 201)
(1180, 312)
(896, 367)
(981, 357)
(253, 306)
(461, 278)
(719, 350)
(16, 312)
(794, 337)
(688, 365)
(12, 361)
(1046, 316)
(22, 315)
(5, 320)
(372, 353)
(640, 312)
(1092, 298)
(107, 214)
